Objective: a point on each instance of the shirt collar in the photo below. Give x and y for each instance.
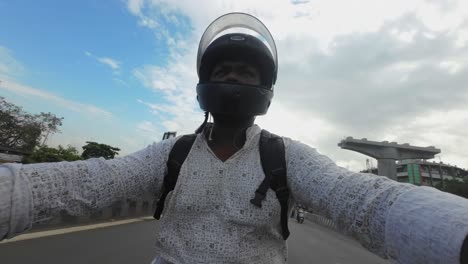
(251, 133)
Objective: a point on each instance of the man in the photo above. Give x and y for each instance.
(209, 216)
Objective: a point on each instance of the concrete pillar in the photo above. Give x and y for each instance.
(387, 167)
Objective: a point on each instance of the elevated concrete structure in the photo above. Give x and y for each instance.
(168, 135)
(386, 153)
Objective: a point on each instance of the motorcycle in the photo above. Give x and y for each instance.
(300, 217)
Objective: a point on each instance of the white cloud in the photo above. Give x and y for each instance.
(296, 124)
(451, 66)
(9, 66)
(24, 90)
(110, 62)
(148, 132)
(371, 70)
(299, 2)
(135, 6)
(120, 82)
(171, 125)
(147, 126)
(176, 83)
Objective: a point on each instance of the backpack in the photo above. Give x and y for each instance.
(273, 161)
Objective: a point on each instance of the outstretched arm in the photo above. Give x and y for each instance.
(38, 192)
(403, 222)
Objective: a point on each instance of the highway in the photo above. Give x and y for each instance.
(133, 243)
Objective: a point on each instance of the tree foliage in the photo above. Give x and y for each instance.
(96, 150)
(49, 154)
(456, 187)
(23, 131)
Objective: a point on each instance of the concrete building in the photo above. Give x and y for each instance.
(422, 172)
(425, 173)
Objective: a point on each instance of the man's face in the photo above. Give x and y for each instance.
(235, 72)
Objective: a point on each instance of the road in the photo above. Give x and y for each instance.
(132, 243)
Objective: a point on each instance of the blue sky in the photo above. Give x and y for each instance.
(62, 47)
(51, 38)
(122, 72)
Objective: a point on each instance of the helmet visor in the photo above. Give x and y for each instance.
(235, 20)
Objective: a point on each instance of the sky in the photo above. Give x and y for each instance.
(124, 72)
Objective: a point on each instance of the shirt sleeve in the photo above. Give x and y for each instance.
(38, 192)
(403, 222)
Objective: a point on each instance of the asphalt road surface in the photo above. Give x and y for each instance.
(132, 243)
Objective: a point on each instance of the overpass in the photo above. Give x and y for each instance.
(386, 153)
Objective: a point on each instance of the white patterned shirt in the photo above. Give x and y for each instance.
(208, 218)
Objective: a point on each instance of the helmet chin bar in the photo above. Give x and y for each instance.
(233, 99)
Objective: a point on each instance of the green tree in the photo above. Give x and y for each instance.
(49, 124)
(96, 150)
(23, 131)
(456, 187)
(49, 154)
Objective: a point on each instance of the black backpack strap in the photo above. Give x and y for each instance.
(177, 156)
(272, 155)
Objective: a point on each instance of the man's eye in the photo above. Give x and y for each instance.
(220, 73)
(247, 74)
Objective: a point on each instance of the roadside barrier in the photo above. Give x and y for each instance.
(321, 220)
(117, 211)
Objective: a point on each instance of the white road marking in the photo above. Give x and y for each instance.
(73, 229)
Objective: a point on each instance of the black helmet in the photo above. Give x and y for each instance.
(233, 98)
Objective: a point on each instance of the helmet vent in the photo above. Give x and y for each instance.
(237, 38)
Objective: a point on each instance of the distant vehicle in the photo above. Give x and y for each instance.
(300, 216)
